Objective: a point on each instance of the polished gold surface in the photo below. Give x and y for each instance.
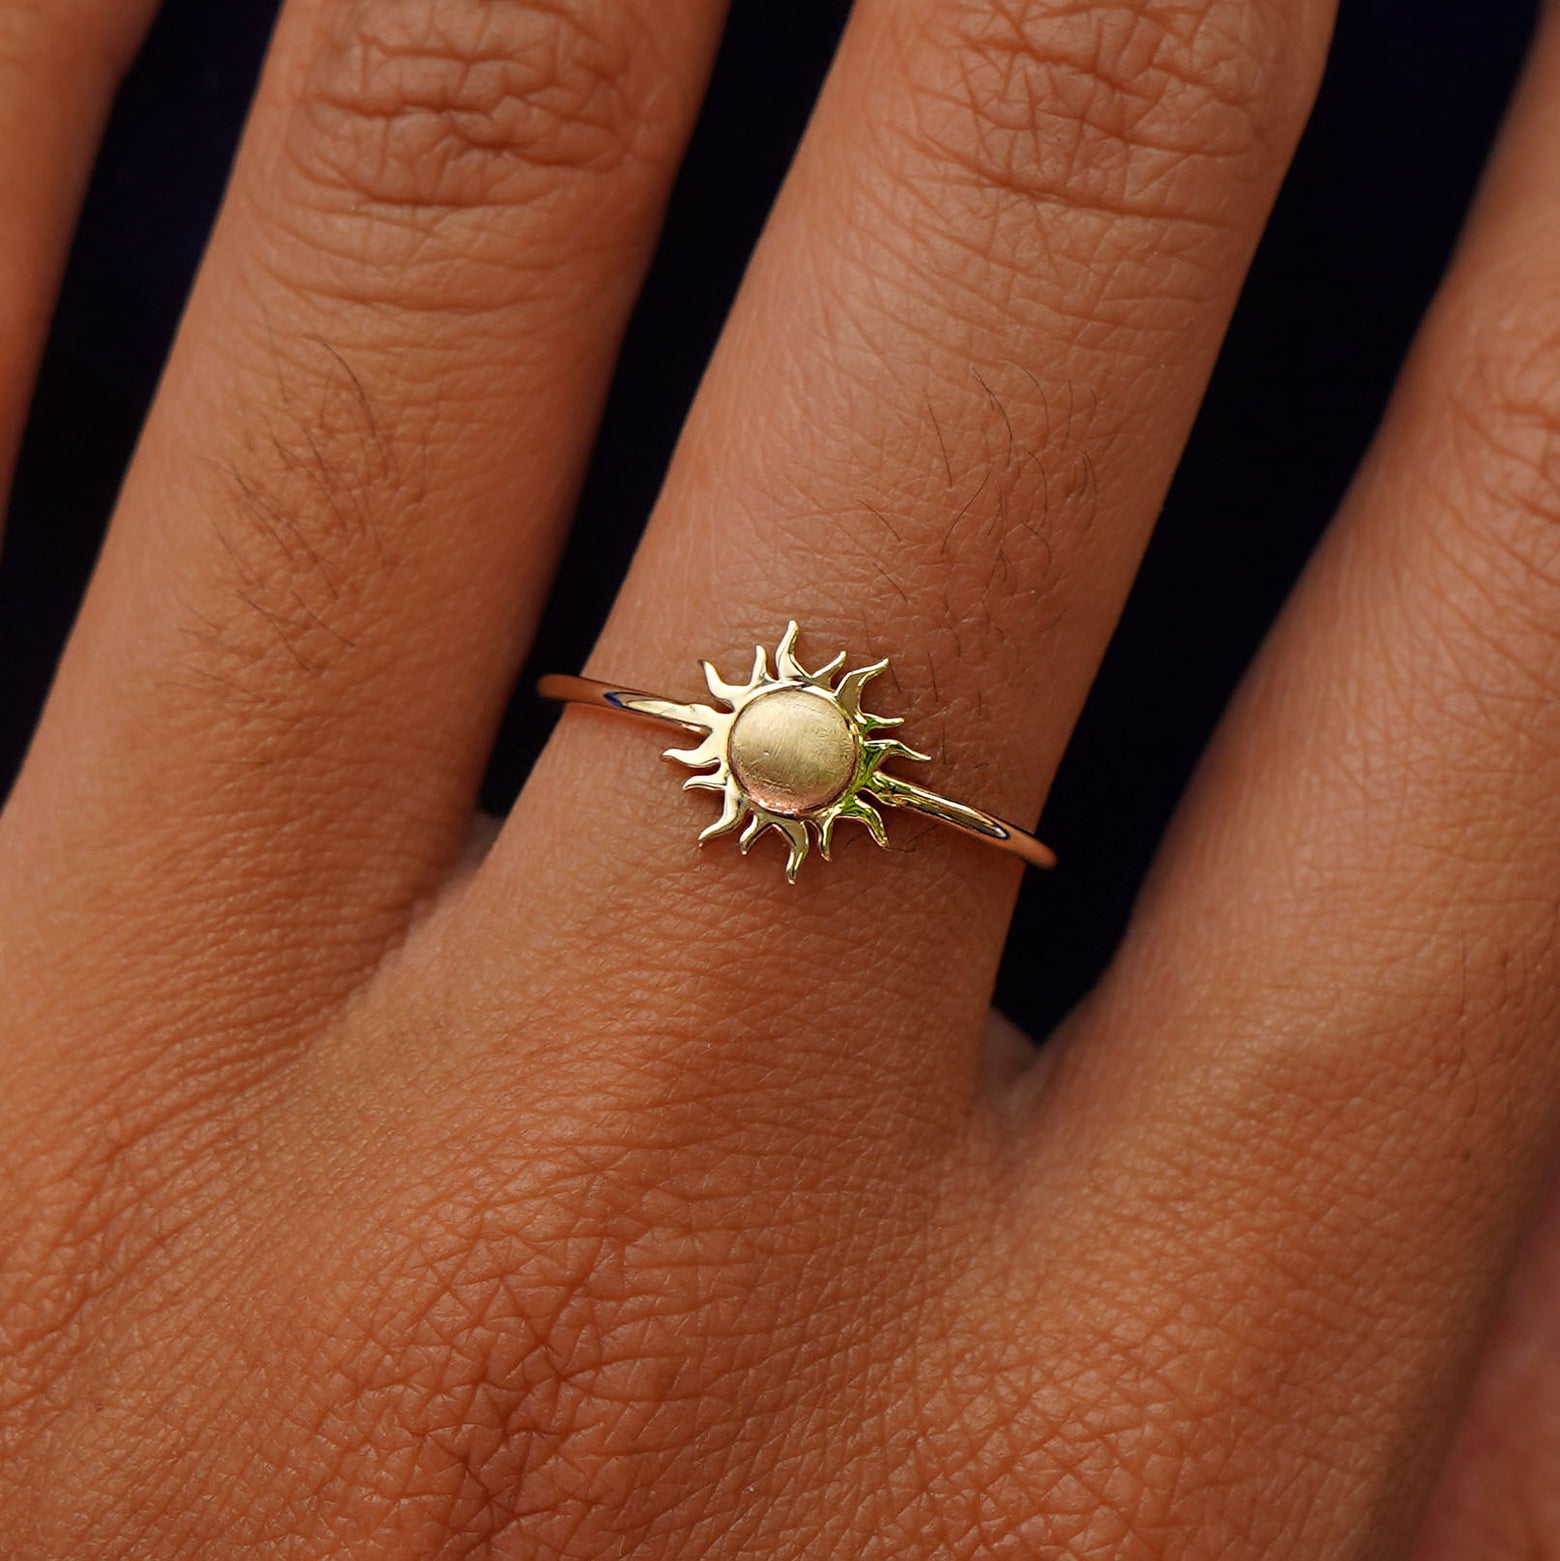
(793, 751)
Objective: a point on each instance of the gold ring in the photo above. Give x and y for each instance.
(795, 749)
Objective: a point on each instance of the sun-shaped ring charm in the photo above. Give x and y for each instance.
(793, 751)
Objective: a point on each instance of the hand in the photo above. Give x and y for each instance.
(376, 1189)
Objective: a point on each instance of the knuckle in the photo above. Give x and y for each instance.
(1114, 108)
(450, 105)
(93, 1261)
(587, 1332)
(531, 1356)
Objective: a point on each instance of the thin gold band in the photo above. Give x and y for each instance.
(898, 793)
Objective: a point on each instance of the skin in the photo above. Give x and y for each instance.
(373, 1192)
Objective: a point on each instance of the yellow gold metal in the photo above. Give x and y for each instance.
(793, 751)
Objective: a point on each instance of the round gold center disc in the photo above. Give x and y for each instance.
(792, 752)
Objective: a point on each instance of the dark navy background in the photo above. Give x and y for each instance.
(1361, 232)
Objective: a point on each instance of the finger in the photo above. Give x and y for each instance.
(1499, 1496)
(336, 532)
(937, 429)
(60, 63)
(1322, 1082)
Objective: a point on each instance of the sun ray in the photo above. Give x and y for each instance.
(849, 691)
(719, 687)
(824, 824)
(711, 751)
(863, 812)
(733, 808)
(892, 748)
(795, 832)
(786, 663)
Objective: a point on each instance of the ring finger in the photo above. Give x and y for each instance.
(939, 426)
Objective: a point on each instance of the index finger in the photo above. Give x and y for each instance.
(937, 430)
(60, 63)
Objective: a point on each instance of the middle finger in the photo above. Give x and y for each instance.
(939, 426)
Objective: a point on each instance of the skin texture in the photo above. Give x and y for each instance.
(369, 1192)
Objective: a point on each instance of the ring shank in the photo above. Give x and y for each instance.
(571, 690)
(889, 789)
